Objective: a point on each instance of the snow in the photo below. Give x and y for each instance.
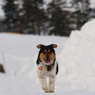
(92, 4)
(75, 55)
(78, 66)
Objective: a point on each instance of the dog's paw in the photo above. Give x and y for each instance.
(46, 92)
(45, 89)
(51, 91)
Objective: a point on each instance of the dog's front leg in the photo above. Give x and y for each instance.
(43, 82)
(51, 83)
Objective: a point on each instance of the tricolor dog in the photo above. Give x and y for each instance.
(47, 66)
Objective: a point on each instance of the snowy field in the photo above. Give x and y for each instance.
(75, 55)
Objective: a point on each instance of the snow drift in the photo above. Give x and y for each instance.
(78, 59)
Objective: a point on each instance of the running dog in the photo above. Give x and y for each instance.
(47, 66)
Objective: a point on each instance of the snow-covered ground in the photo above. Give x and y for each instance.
(75, 55)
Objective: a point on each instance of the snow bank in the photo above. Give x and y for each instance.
(77, 60)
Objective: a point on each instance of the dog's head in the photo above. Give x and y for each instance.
(47, 53)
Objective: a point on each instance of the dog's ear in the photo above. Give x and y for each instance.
(39, 46)
(54, 45)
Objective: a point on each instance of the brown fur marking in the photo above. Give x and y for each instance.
(44, 89)
(54, 45)
(52, 56)
(50, 82)
(46, 92)
(42, 57)
(41, 77)
(51, 91)
(45, 50)
(49, 50)
(39, 46)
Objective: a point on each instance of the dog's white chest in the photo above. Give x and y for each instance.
(43, 71)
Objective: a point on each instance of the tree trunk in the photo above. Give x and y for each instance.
(38, 28)
(44, 29)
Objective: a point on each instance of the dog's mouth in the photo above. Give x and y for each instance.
(47, 60)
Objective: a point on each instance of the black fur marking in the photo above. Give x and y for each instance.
(57, 69)
(46, 48)
(49, 68)
(38, 61)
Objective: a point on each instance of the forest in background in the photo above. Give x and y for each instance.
(59, 17)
